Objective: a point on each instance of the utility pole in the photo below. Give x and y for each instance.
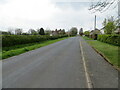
(95, 23)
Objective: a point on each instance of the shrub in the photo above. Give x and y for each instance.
(12, 40)
(111, 39)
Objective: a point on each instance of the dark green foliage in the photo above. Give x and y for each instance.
(4, 33)
(86, 33)
(110, 27)
(81, 31)
(111, 39)
(12, 40)
(41, 31)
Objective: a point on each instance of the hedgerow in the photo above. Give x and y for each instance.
(11, 40)
(111, 39)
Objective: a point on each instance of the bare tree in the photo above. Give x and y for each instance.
(11, 31)
(18, 31)
(48, 31)
(32, 32)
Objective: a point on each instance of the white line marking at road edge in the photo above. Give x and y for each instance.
(89, 83)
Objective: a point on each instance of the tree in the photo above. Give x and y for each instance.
(25, 34)
(73, 31)
(32, 32)
(11, 31)
(47, 32)
(109, 26)
(87, 33)
(104, 22)
(4, 33)
(41, 31)
(61, 31)
(18, 31)
(81, 31)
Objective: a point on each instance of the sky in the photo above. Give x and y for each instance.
(50, 14)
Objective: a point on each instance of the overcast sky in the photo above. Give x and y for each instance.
(51, 14)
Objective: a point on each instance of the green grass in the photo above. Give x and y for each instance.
(86, 38)
(19, 49)
(109, 51)
(4, 49)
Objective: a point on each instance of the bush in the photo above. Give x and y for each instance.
(111, 39)
(12, 40)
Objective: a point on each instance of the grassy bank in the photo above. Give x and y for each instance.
(110, 52)
(18, 49)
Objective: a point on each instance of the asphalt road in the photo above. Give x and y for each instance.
(58, 65)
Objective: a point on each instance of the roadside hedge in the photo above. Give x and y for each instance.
(111, 39)
(11, 40)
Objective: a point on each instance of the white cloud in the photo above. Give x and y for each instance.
(30, 9)
(46, 13)
(20, 12)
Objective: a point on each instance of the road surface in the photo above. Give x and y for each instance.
(59, 65)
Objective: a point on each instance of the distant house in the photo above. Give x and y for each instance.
(117, 31)
(102, 30)
(57, 32)
(54, 33)
(95, 33)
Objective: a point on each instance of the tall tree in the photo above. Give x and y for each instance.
(48, 31)
(81, 31)
(41, 31)
(109, 26)
(63, 31)
(73, 31)
(104, 22)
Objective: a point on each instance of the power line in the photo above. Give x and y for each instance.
(108, 6)
(102, 6)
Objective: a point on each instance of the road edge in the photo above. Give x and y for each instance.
(88, 80)
(106, 59)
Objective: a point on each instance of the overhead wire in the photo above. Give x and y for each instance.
(101, 6)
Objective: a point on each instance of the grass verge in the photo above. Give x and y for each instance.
(86, 38)
(19, 49)
(110, 52)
